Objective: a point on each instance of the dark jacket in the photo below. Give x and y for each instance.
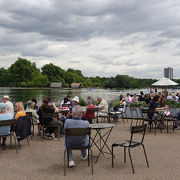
(23, 127)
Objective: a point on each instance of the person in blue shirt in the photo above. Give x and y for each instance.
(77, 122)
(4, 116)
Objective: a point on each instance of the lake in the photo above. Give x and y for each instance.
(57, 95)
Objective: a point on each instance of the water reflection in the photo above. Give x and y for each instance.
(57, 95)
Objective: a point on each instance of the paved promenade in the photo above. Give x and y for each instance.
(44, 160)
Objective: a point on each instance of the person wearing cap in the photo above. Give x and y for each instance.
(75, 100)
(9, 105)
(4, 116)
(35, 116)
(30, 108)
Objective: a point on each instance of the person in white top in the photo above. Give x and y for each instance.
(103, 107)
(9, 105)
(128, 98)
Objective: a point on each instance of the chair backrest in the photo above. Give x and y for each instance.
(23, 127)
(92, 110)
(77, 132)
(9, 122)
(138, 130)
(49, 115)
(29, 114)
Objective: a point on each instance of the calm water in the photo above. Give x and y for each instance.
(57, 95)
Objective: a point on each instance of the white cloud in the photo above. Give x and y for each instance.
(104, 38)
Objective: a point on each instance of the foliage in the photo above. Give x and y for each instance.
(178, 105)
(138, 104)
(82, 102)
(24, 73)
(170, 103)
(4, 74)
(114, 103)
(21, 72)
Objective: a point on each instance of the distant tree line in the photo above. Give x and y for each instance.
(24, 73)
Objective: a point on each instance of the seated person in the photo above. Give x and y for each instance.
(50, 123)
(65, 109)
(103, 107)
(87, 114)
(30, 108)
(153, 106)
(77, 122)
(35, 116)
(36, 106)
(122, 103)
(4, 116)
(19, 108)
(166, 110)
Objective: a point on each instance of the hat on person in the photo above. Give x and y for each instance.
(30, 104)
(6, 97)
(75, 98)
(2, 106)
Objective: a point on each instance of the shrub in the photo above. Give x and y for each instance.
(82, 102)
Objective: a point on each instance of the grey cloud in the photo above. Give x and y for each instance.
(158, 43)
(74, 61)
(77, 20)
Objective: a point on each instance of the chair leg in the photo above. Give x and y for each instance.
(112, 155)
(145, 155)
(91, 160)
(88, 158)
(27, 140)
(131, 124)
(65, 162)
(131, 160)
(11, 140)
(155, 127)
(15, 143)
(124, 154)
(67, 157)
(42, 135)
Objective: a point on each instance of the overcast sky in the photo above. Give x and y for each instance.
(102, 37)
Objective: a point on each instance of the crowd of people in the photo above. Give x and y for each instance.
(72, 115)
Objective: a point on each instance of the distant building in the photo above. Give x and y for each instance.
(75, 85)
(56, 85)
(168, 72)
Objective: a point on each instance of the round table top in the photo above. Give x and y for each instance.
(101, 125)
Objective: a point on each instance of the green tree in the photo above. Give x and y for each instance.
(4, 75)
(21, 72)
(54, 73)
(39, 80)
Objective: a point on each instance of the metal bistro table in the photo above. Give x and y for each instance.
(100, 140)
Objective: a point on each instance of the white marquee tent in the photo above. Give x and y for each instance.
(165, 82)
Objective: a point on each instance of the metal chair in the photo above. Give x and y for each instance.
(11, 123)
(77, 132)
(32, 125)
(92, 110)
(133, 111)
(114, 113)
(44, 117)
(23, 128)
(132, 144)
